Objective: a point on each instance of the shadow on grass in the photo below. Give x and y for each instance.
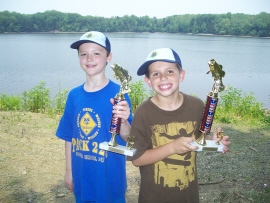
(18, 193)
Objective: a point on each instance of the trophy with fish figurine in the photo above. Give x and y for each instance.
(209, 111)
(122, 75)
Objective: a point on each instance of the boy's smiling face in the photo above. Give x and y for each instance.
(164, 78)
(93, 58)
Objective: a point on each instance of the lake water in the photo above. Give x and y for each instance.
(28, 59)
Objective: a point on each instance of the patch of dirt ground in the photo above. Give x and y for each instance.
(32, 164)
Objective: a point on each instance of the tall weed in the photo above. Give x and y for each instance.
(58, 103)
(37, 99)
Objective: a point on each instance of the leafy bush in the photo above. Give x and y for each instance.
(138, 94)
(234, 106)
(37, 99)
(8, 103)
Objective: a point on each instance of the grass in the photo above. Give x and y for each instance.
(245, 170)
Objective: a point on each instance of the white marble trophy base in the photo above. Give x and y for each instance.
(210, 146)
(118, 149)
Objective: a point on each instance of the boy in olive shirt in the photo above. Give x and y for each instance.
(163, 127)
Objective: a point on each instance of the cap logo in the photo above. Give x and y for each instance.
(89, 35)
(154, 53)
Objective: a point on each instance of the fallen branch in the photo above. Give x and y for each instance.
(253, 149)
(211, 183)
(243, 197)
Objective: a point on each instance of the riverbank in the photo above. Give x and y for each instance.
(32, 164)
(198, 34)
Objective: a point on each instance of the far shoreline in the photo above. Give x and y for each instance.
(198, 34)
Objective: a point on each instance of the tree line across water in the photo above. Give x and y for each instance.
(219, 24)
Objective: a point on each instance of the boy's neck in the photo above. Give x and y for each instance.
(95, 84)
(168, 103)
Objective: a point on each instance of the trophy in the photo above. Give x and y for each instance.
(209, 111)
(122, 75)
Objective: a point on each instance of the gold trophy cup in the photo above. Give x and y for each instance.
(209, 111)
(122, 75)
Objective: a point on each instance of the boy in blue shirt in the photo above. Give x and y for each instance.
(94, 175)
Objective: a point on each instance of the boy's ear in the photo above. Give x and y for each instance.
(109, 57)
(182, 75)
(147, 81)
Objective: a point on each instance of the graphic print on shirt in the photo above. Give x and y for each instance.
(88, 124)
(177, 170)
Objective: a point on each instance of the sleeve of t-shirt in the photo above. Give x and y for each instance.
(64, 130)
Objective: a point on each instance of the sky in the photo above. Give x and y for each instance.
(151, 8)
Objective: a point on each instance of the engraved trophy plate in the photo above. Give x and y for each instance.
(209, 111)
(122, 75)
(118, 149)
(209, 146)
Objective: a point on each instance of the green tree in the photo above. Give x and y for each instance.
(48, 21)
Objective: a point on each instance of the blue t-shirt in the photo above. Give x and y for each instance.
(98, 175)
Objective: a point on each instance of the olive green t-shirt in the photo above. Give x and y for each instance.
(174, 179)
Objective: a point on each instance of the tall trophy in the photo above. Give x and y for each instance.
(122, 75)
(209, 111)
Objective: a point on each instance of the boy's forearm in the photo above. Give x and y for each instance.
(178, 146)
(68, 155)
(125, 130)
(154, 155)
